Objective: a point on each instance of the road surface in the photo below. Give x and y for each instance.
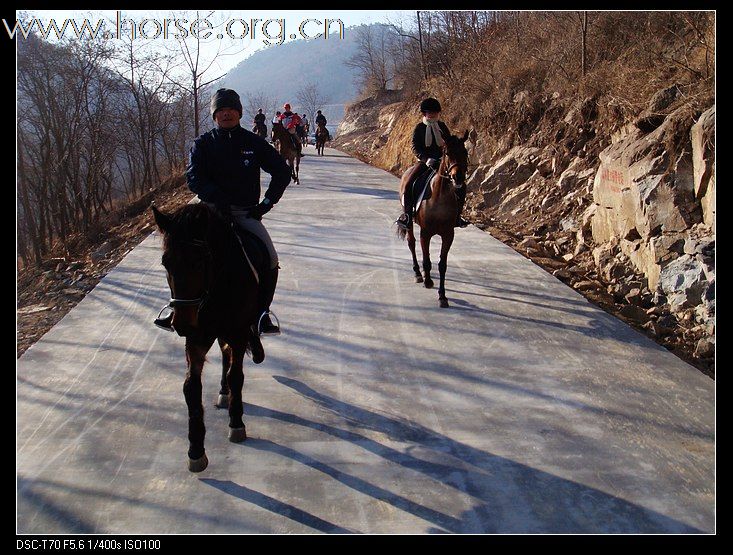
(522, 408)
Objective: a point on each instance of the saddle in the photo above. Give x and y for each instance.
(420, 189)
(254, 250)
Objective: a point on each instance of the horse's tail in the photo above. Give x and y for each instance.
(401, 232)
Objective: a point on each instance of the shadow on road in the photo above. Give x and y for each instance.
(512, 497)
(273, 505)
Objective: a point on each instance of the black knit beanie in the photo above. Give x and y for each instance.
(225, 98)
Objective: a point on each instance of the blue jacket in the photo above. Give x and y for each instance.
(224, 168)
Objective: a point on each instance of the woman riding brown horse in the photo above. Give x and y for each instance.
(286, 149)
(437, 215)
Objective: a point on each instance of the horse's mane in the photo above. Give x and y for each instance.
(196, 222)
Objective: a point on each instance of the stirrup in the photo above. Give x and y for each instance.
(259, 324)
(159, 321)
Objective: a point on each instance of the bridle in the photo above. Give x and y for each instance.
(449, 175)
(199, 302)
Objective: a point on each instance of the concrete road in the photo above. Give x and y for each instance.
(522, 408)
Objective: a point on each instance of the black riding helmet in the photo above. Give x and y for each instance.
(430, 105)
(225, 98)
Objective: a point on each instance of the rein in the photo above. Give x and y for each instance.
(174, 301)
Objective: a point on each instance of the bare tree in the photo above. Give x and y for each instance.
(198, 66)
(373, 59)
(311, 98)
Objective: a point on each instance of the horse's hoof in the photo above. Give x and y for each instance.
(237, 435)
(222, 402)
(428, 284)
(258, 352)
(444, 303)
(197, 465)
(418, 279)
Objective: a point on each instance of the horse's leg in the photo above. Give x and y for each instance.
(291, 163)
(222, 401)
(426, 265)
(411, 244)
(443, 265)
(195, 356)
(235, 379)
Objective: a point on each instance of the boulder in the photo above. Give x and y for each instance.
(510, 171)
(705, 348)
(702, 135)
(683, 282)
(642, 194)
(634, 313)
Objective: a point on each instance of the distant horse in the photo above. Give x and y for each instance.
(303, 134)
(260, 130)
(321, 138)
(214, 296)
(437, 215)
(287, 149)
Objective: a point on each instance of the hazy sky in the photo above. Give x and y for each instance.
(283, 27)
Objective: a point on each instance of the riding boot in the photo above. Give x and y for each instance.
(461, 198)
(268, 283)
(405, 219)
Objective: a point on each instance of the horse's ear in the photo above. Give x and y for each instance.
(163, 220)
(465, 136)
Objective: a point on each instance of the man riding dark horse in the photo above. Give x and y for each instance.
(224, 171)
(259, 124)
(427, 144)
(321, 120)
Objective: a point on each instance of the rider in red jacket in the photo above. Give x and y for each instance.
(291, 122)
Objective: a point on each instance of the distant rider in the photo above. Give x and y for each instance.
(259, 122)
(321, 120)
(290, 122)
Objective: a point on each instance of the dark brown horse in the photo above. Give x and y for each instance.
(260, 130)
(321, 138)
(437, 215)
(286, 149)
(214, 297)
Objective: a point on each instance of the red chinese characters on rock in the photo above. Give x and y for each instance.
(614, 178)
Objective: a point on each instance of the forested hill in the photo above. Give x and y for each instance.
(277, 72)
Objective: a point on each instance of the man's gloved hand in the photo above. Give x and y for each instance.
(433, 163)
(261, 209)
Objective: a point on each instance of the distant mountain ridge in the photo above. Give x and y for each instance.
(280, 70)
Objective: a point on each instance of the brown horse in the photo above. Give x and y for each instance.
(214, 292)
(437, 215)
(287, 149)
(321, 138)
